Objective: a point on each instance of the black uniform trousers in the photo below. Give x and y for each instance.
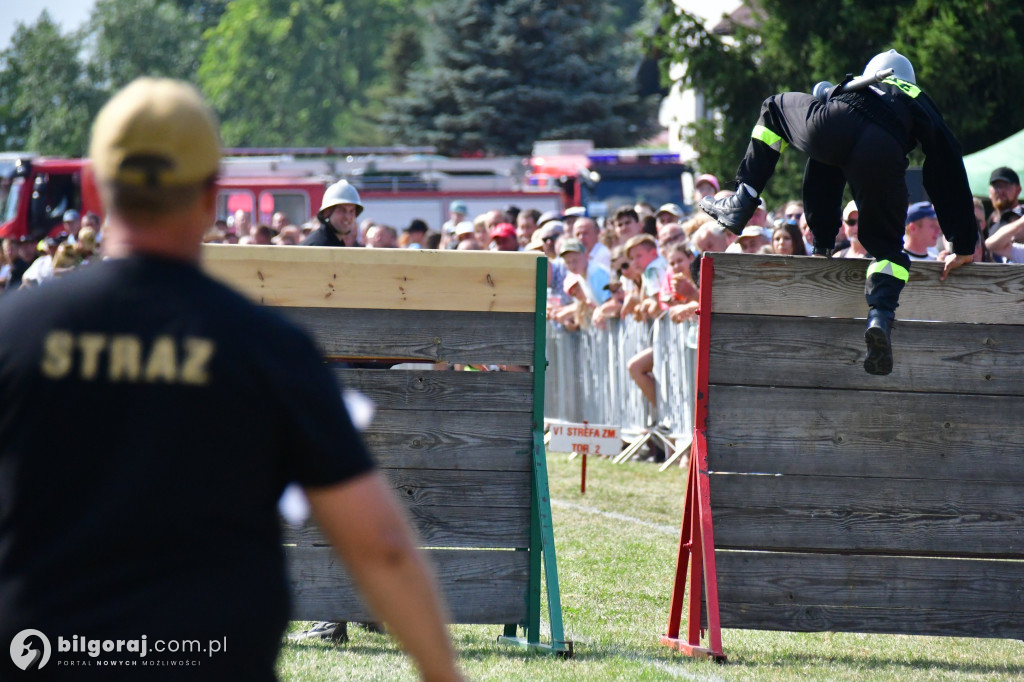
(843, 147)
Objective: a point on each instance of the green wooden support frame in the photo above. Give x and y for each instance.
(542, 534)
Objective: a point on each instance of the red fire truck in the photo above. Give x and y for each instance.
(601, 180)
(395, 186)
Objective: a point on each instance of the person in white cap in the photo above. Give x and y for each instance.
(162, 520)
(851, 220)
(668, 213)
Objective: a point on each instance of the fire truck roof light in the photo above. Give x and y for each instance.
(615, 156)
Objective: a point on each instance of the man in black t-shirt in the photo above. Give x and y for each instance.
(151, 515)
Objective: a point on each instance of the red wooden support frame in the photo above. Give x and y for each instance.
(696, 540)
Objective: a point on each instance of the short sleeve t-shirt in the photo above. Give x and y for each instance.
(1016, 253)
(150, 419)
(598, 278)
(652, 276)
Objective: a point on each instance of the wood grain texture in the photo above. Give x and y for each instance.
(880, 620)
(865, 433)
(479, 586)
(451, 440)
(856, 515)
(750, 284)
(427, 390)
(767, 350)
(831, 592)
(397, 279)
(422, 335)
(432, 488)
(482, 526)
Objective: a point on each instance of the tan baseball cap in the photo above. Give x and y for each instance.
(156, 132)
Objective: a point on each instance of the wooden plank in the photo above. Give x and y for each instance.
(398, 279)
(831, 592)
(447, 440)
(433, 488)
(429, 390)
(446, 526)
(479, 586)
(767, 350)
(421, 335)
(750, 284)
(865, 433)
(454, 508)
(812, 513)
(882, 620)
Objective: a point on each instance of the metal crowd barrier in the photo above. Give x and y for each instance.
(587, 378)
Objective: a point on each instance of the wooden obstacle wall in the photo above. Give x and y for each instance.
(842, 501)
(462, 449)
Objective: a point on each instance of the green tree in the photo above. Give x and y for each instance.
(45, 104)
(296, 72)
(969, 58)
(133, 38)
(501, 74)
(206, 12)
(964, 60)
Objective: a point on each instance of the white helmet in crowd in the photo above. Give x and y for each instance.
(341, 192)
(901, 66)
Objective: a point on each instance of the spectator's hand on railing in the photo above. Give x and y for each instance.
(649, 309)
(683, 287)
(629, 306)
(683, 312)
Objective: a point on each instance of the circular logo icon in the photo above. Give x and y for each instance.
(30, 649)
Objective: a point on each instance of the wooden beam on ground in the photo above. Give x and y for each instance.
(397, 279)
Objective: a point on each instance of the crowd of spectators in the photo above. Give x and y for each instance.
(639, 261)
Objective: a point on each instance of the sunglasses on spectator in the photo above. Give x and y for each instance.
(850, 221)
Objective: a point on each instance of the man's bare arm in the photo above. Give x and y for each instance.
(1001, 241)
(364, 523)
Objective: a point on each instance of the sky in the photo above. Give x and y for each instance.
(69, 15)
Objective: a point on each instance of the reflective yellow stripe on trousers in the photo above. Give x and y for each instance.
(771, 139)
(886, 267)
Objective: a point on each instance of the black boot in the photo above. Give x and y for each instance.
(732, 212)
(879, 359)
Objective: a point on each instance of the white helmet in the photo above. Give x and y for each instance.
(901, 66)
(341, 192)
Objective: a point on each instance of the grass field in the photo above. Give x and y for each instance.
(616, 549)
